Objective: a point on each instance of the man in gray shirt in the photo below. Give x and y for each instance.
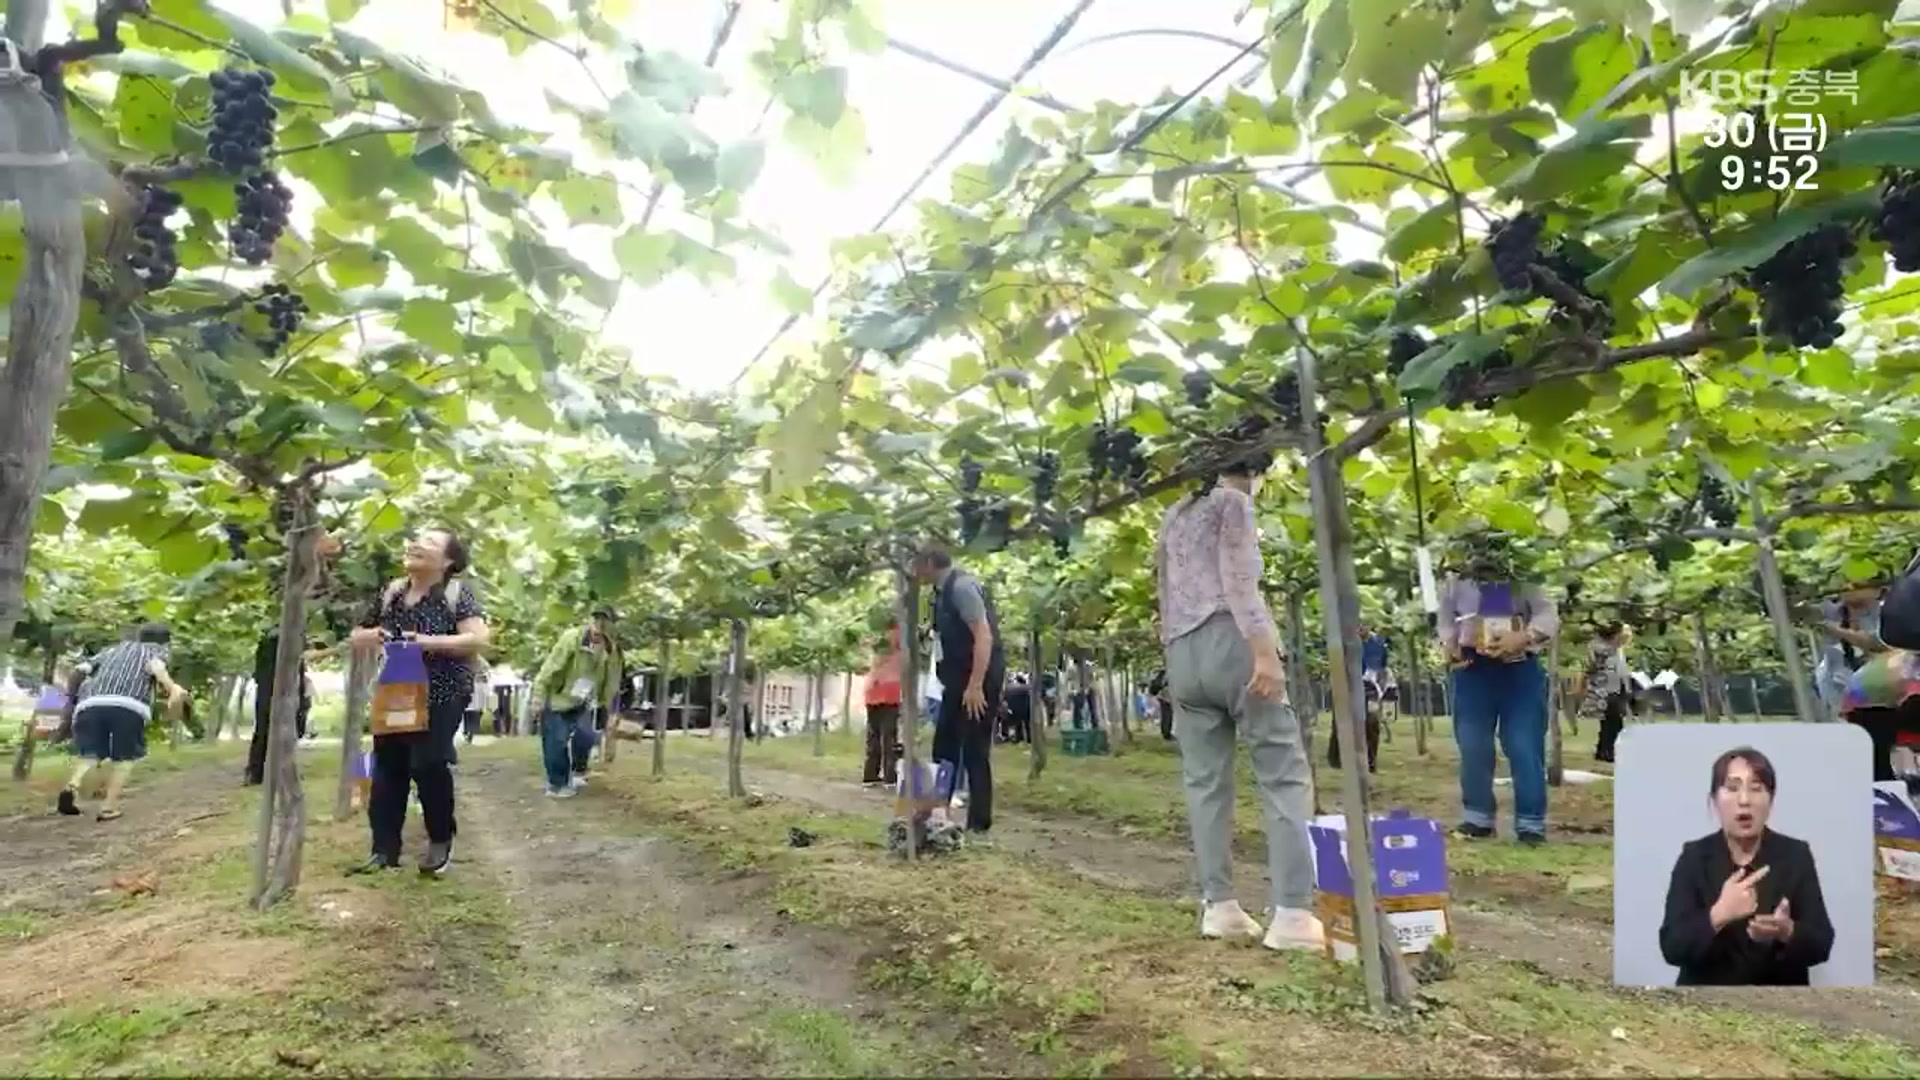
(972, 670)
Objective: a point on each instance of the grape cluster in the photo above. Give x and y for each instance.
(1515, 246)
(1897, 225)
(261, 219)
(236, 540)
(1199, 387)
(1406, 345)
(1285, 395)
(243, 117)
(970, 474)
(153, 259)
(1116, 453)
(1800, 287)
(283, 309)
(999, 524)
(1046, 476)
(1062, 535)
(1716, 502)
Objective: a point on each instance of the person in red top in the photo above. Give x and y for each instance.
(883, 711)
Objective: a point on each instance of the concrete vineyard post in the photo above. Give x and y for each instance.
(1384, 974)
(736, 706)
(358, 663)
(661, 694)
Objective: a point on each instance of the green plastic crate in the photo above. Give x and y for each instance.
(1083, 742)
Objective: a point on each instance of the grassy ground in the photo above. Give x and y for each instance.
(657, 927)
(1137, 789)
(103, 975)
(1119, 979)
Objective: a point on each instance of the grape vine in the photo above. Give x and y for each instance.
(1046, 477)
(1199, 387)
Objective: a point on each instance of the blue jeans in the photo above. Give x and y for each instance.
(561, 741)
(1508, 700)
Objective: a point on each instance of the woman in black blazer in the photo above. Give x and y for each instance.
(1744, 906)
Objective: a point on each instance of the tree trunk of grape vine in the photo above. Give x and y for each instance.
(1384, 972)
(1703, 666)
(359, 691)
(1418, 694)
(46, 304)
(1116, 695)
(736, 706)
(817, 695)
(1753, 698)
(846, 702)
(1775, 592)
(30, 732)
(283, 803)
(1037, 713)
(1556, 743)
(661, 695)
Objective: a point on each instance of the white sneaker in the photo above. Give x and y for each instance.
(1293, 928)
(576, 782)
(1227, 919)
(563, 793)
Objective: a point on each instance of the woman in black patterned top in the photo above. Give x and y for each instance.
(433, 607)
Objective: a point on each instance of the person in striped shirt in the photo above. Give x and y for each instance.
(111, 712)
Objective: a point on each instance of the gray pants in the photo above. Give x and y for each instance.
(1207, 674)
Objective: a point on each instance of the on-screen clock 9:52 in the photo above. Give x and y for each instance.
(1779, 172)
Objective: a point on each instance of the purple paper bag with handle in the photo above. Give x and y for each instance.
(400, 695)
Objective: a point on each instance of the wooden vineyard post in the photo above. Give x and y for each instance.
(358, 685)
(1385, 975)
(736, 708)
(1037, 715)
(660, 714)
(1775, 592)
(1556, 743)
(612, 736)
(909, 771)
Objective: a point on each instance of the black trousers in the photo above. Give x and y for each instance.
(1373, 739)
(257, 747)
(968, 744)
(1020, 723)
(1612, 721)
(883, 744)
(416, 759)
(1884, 726)
(1166, 720)
(470, 723)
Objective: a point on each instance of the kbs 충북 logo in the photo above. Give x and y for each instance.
(1725, 89)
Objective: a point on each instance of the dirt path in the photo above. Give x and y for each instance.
(1569, 949)
(638, 960)
(50, 863)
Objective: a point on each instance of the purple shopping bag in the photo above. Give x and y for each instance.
(400, 697)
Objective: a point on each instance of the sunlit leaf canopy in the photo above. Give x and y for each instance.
(470, 225)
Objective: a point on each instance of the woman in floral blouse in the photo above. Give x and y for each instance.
(1226, 681)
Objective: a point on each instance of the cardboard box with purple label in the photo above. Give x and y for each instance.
(1896, 830)
(1410, 878)
(48, 710)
